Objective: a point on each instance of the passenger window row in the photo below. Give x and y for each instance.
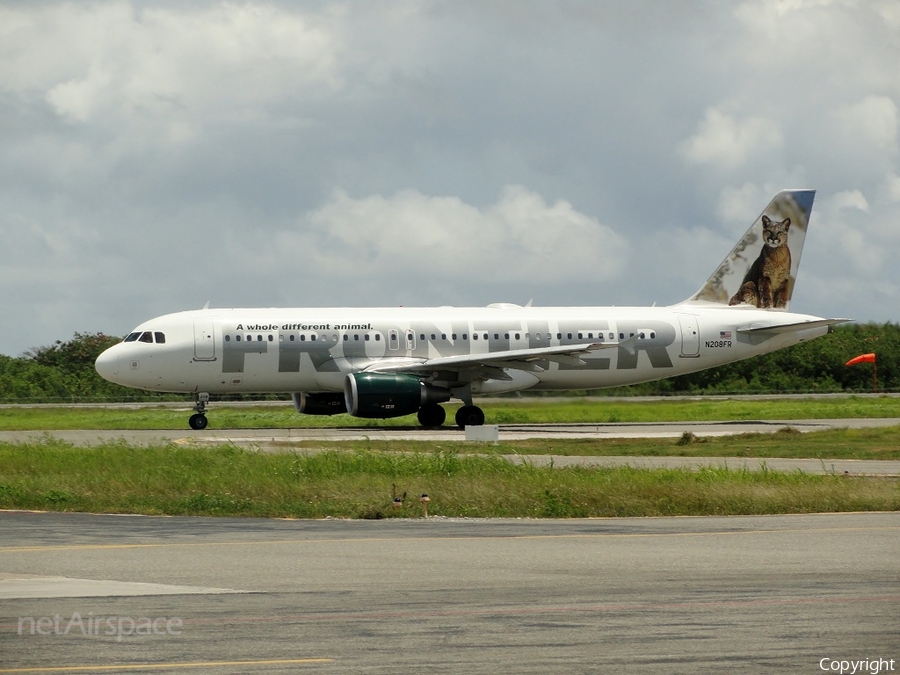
(259, 338)
(313, 337)
(302, 337)
(157, 337)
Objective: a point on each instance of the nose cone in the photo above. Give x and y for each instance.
(107, 365)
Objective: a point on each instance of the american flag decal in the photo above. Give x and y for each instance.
(724, 334)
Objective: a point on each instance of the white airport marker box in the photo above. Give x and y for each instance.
(486, 433)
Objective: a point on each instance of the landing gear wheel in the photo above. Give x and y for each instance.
(198, 422)
(469, 416)
(432, 415)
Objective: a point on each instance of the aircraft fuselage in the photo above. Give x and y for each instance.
(312, 350)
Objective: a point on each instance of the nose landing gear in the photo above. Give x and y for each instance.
(198, 421)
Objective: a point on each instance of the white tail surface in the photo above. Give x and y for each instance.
(762, 268)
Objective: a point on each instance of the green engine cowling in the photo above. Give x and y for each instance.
(380, 395)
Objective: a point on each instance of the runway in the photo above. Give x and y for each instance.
(507, 432)
(657, 595)
(282, 440)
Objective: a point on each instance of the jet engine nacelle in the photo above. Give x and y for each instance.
(381, 395)
(320, 404)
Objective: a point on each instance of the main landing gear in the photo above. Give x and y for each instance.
(469, 416)
(199, 421)
(433, 415)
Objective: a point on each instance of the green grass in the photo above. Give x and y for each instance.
(497, 411)
(225, 480)
(314, 479)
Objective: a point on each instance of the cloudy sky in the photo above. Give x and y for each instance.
(155, 156)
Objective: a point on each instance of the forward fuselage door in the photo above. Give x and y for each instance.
(690, 335)
(204, 340)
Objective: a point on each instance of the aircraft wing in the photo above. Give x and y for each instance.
(495, 362)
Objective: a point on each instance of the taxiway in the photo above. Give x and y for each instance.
(672, 595)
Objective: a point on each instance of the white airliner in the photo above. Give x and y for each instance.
(389, 362)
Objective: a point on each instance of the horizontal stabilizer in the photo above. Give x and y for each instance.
(796, 327)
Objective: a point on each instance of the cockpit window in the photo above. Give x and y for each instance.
(147, 336)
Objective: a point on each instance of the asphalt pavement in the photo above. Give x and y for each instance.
(768, 594)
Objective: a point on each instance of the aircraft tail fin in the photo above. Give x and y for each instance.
(761, 270)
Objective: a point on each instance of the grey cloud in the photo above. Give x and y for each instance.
(157, 155)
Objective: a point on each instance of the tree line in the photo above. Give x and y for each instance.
(65, 371)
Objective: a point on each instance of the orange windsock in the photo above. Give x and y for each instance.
(862, 358)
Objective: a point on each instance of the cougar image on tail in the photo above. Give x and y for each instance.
(766, 282)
